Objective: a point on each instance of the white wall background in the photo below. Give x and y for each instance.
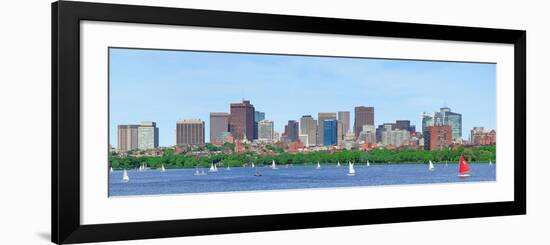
(25, 109)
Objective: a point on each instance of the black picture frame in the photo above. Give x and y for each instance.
(65, 223)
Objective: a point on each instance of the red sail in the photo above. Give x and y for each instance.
(463, 166)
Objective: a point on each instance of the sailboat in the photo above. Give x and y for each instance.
(213, 168)
(431, 166)
(162, 169)
(197, 173)
(110, 169)
(318, 166)
(228, 168)
(273, 165)
(368, 164)
(351, 171)
(253, 165)
(463, 167)
(125, 177)
(338, 165)
(490, 163)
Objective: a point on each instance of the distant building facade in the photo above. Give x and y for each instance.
(190, 132)
(148, 136)
(367, 135)
(258, 116)
(241, 120)
(396, 137)
(444, 117)
(265, 130)
(292, 130)
(363, 116)
(330, 132)
(480, 136)
(321, 118)
(127, 137)
(438, 137)
(344, 118)
(304, 139)
(219, 124)
(308, 126)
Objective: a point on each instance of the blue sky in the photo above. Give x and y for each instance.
(166, 86)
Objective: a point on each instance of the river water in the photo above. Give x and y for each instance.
(178, 181)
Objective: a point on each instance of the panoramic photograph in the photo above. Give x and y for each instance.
(184, 122)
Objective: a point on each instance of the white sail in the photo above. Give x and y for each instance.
(213, 168)
(431, 166)
(338, 164)
(368, 164)
(111, 169)
(228, 168)
(318, 165)
(162, 169)
(273, 165)
(253, 165)
(125, 177)
(197, 173)
(490, 163)
(351, 171)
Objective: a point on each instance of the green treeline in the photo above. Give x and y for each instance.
(377, 156)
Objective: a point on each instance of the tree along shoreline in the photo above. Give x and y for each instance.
(482, 154)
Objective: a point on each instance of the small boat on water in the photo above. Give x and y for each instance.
(490, 163)
(162, 169)
(368, 164)
(253, 165)
(125, 177)
(318, 166)
(110, 169)
(351, 171)
(273, 165)
(213, 168)
(431, 166)
(199, 173)
(228, 168)
(338, 165)
(463, 167)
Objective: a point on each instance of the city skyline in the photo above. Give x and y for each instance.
(168, 86)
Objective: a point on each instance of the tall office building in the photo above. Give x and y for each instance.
(344, 117)
(443, 117)
(308, 126)
(148, 136)
(363, 116)
(241, 120)
(339, 132)
(219, 124)
(258, 116)
(292, 130)
(127, 137)
(330, 132)
(190, 132)
(265, 130)
(322, 116)
(437, 137)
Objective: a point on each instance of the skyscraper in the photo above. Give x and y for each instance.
(308, 126)
(219, 123)
(363, 116)
(330, 132)
(127, 137)
(322, 116)
(241, 120)
(292, 130)
(265, 130)
(258, 116)
(443, 117)
(344, 117)
(148, 136)
(190, 132)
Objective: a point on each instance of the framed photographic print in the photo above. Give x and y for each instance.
(178, 122)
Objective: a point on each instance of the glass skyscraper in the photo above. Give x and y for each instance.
(443, 117)
(330, 132)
